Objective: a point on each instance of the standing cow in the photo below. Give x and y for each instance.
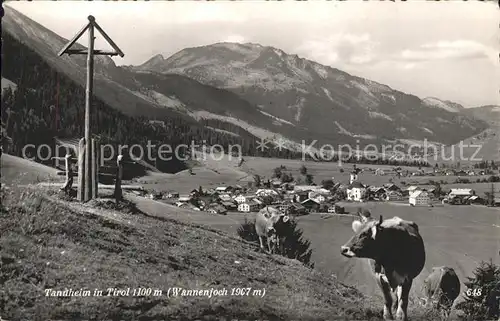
(441, 288)
(265, 224)
(398, 255)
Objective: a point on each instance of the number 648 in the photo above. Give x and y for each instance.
(473, 292)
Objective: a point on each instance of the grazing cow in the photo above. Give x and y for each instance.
(397, 255)
(441, 288)
(364, 215)
(265, 224)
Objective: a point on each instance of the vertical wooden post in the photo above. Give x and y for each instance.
(89, 186)
(69, 174)
(118, 181)
(95, 168)
(81, 169)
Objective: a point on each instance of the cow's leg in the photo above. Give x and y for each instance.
(261, 243)
(395, 300)
(386, 291)
(269, 247)
(403, 295)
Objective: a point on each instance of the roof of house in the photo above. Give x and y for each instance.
(376, 188)
(461, 191)
(418, 193)
(412, 188)
(356, 184)
(309, 200)
(251, 203)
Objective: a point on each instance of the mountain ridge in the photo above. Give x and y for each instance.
(306, 93)
(301, 100)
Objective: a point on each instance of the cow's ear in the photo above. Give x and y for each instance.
(374, 231)
(356, 226)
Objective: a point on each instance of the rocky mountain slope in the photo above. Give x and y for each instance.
(323, 100)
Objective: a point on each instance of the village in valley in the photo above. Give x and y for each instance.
(302, 196)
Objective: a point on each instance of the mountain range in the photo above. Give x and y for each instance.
(258, 90)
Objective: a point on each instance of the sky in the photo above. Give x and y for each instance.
(447, 50)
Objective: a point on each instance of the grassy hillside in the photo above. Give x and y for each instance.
(49, 243)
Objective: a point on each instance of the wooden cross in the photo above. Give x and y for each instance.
(87, 182)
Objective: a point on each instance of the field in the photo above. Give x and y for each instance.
(49, 243)
(456, 236)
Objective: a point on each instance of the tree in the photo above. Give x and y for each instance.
(257, 180)
(277, 172)
(482, 294)
(309, 179)
(327, 183)
(286, 178)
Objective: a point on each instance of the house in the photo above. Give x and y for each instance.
(224, 189)
(474, 199)
(393, 196)
(194, 192)
(266, 192)
(461, 192)
(184, 198)
(301, 196)
(356, 192)
(376, 193)
(304, 188)
(249, 206)
(171, 194)
(155, 195)
(318, 197)
(311, 205)
(296, 209)
(392, 187)
(243, 198)
(230, 206)
(276, 183)
(225, 197)
(331, 209)
(419, 198)
(217, 209)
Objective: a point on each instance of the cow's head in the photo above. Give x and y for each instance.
(275, 215)
(364, 242)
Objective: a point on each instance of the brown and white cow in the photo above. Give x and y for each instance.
(441, 288)
(398, 255)
(265, 224)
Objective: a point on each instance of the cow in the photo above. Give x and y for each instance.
(397, 255)
(265, 227)
(441, 288)
(364, 215)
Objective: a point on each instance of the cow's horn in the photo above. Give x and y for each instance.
(380, 220)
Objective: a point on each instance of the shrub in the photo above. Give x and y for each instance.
(294, 245)
(483, 288)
